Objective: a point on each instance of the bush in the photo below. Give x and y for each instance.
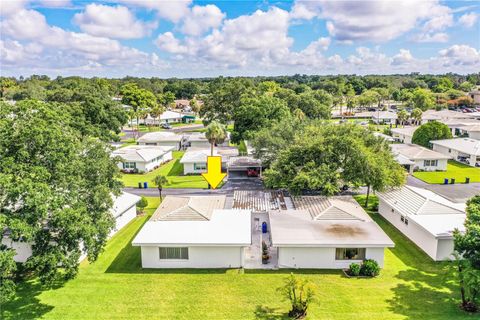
(354, 270)
(370, 268)
(142, 204)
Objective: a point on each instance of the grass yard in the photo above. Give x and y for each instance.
(173, 170)
(115, 287)
(455, 170)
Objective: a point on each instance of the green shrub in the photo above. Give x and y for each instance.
(370, 268)
(354, 269)
(142, 204)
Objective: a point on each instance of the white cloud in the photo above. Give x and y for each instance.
(114, 22)
(403, 57)
(460, 55)
(9, 7)
(432, 37)
(167, 9)
(167, 42)
(468, 20)
(55, 3)
(374, 20)
(201, 19)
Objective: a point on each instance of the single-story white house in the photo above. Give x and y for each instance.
(124, 210)
(443, 115)
(326, 233)
(424, 217)
(198, 140)
(385, 117)
(195, 160)
(162, 138)
(466, 150)
(138, 158)
(171, 117)
(403, 135)
(455, 125)
(472, 131)
(195, 232)
(422, 158)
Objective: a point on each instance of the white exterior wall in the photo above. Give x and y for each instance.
(198, 257)
(123, 219)
(423, 239)
(177, 145)
(188, 168)
(320, 258)
(442, 165)
(402, 138)
(444, 249)
(474, 135)
(454, 153)
(23, 250)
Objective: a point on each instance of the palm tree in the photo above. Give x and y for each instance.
(402, 116)
(417, 115)
(216, 134)
(160, 180)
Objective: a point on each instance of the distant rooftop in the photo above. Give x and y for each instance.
(160, 136)
(141, 153)
(407, 131)
(465, 145)
(416, 152)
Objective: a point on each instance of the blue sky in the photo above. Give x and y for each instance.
(211, 38)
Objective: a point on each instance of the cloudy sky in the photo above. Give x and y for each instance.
(209, 38)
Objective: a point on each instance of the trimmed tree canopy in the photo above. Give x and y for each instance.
(431, 131)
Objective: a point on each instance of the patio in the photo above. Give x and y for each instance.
(253, 253)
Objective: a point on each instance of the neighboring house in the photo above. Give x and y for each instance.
(466, 150)
(424, 217)
(141, 159)
(162, 138)
(455, 125)
(171, 117)
(194, 232)
(384, 136)
(326, 233)
(123, 210)
(422, 158)
(384, 117)
(472, 131)
(195, 160)
(443, 115)
(403, 135)
(475, 95)
(198, 140)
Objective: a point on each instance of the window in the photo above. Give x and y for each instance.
(199, 166)
(350, 254)
(129, 165)
(430, 163)
(173, 253)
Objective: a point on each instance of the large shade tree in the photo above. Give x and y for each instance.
(56, 189)
(431, 131)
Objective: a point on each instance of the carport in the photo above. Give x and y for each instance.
(244, 167)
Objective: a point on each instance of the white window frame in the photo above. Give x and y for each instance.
(173, 253)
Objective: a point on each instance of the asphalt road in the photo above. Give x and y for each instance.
(459, 192)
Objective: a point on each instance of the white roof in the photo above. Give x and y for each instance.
(139, 153)
(384, 115)
(444, 114)
(160, 136)
(296, 228)
(416, 152)
(191, 208)
(200, 136)
(225, 228)
(402, 160)
(429, 210)
(123, 202)
(406, 131)
(384, 136)
(198, 156)
(170, 115)
(471, 128)
(465, 145)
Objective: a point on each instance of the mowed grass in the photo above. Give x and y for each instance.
(173, 170)
(455, 170)
(411, 286)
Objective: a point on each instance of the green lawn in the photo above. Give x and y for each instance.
(456, 170)
(173, 170)
(115, 287)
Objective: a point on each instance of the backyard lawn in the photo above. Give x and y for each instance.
(455, 170)
(173, 170)
(115, 287)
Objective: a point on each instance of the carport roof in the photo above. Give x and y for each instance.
(243, 162)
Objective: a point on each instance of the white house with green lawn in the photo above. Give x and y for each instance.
(403, 135)
(326, 233)
(195, 160)
(421, 158)
(194, 232)
(384, 117)
(162, 138)
(424, 217)
(142, 158)
(465, 150)
(199, 140)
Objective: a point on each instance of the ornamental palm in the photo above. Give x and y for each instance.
(216, 134)
(160, 181)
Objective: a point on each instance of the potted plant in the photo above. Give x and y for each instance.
(265, 256)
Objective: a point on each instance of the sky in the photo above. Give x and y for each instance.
(183, 39)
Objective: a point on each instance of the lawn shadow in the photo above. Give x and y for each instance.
(176, 169)
(26, 305)
(267, 313)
